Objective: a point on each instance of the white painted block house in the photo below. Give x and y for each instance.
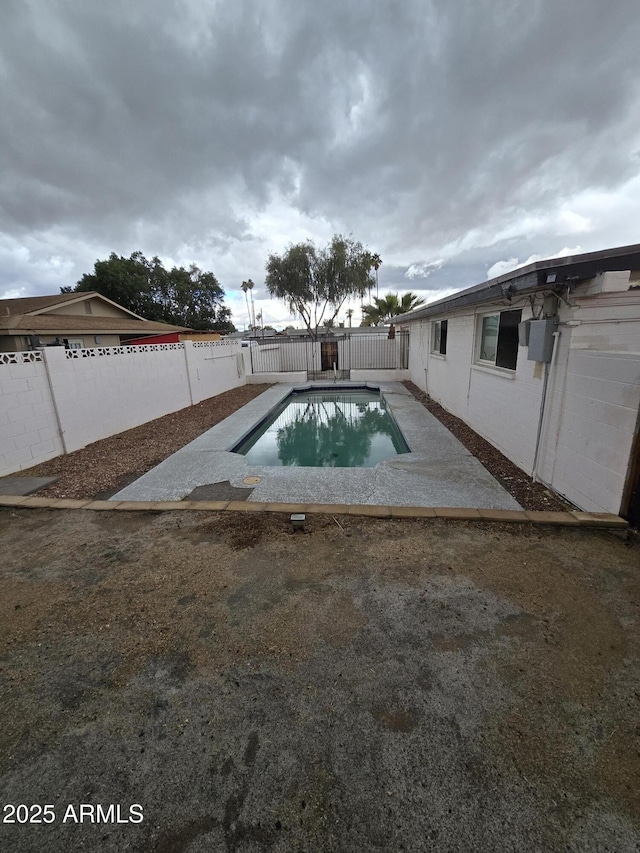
(544, 362)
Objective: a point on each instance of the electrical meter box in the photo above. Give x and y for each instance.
(541, 339)
(523, 333)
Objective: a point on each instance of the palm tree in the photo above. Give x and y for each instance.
(350, 313)
(390, 306)
(248, 286)
(376, 261)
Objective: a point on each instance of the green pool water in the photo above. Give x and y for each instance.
(326, 429)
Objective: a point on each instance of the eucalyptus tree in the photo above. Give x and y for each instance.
(315, 283)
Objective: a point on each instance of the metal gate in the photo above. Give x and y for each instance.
(332, 356)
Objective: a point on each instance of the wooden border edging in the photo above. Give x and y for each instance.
(574, 518)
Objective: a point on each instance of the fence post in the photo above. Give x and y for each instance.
(188, 350)
(52, 356)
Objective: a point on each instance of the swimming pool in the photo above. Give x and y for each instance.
(438, 471)
(326, 428)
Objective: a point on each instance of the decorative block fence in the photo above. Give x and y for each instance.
(54, 400)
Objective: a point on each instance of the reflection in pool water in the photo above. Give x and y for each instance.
(326, 429)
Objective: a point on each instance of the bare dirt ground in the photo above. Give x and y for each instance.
(104, 467)
(365, 686)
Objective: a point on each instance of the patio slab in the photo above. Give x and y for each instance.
(24, 485)
(439, 470)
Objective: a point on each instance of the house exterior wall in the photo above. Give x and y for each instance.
(99, 308)
(478, 394)
(593, 391)
(21, 343)
(13, 343)
(88, 341)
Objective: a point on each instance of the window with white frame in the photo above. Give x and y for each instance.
(498, 339)
(439, 337)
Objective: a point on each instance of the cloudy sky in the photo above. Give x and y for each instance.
(456, 138)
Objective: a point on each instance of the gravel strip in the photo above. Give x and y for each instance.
(104, 467)
(531, 496)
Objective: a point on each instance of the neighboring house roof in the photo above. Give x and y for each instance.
(41, 315)
(552, 274)
(39, 304)
(54, 323)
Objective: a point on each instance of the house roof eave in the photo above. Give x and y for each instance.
(531, 278)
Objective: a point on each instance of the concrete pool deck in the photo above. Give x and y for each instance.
(439, 471)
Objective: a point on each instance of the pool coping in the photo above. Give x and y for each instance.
(570, 518)
(438, 470)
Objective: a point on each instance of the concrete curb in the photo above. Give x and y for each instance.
(573, 518)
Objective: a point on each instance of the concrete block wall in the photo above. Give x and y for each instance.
(594, 436)
(105, 391)
(214, 367)
(56, 400)
(28, 427)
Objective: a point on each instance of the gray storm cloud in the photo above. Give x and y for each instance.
(431, 131)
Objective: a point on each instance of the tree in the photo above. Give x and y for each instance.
(315, 282)
(376, 262)
(184, 297)
(389, 306)
(247, 287)
(349, 313)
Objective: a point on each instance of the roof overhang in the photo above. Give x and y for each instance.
(552, 274)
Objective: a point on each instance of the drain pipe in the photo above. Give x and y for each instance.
(335, 373)
(547, 372)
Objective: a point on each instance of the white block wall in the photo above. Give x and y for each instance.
(214, 367)
(114, 390)
(600, 418)
(28, 427)
(100, 392)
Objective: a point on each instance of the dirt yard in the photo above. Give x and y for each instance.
(365, 686)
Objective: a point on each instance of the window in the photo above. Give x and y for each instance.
(75, 343)
(439, 343)
(499, 339)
